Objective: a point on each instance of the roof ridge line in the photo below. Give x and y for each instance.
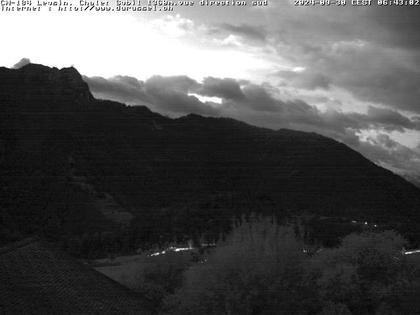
(18, 244)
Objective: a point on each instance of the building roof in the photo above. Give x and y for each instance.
(38, 278)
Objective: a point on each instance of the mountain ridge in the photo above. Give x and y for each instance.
(177, 177)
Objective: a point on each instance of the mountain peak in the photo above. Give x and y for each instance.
(44, 86)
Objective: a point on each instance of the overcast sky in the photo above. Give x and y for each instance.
(350, 73)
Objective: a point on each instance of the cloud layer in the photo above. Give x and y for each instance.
(348, 72)
(257, 104)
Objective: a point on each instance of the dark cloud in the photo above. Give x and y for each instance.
(257, 98)
(164, 94)
(397, 25)
(257, 104)
(305, 79)
(375, 76)
(120, 88)
(180, 103)
(171, 94)
(315, 26)
(391, 120)
(390, 154)
(386, 141)
(247, 31)
(21, 63)
(372, 52)
(369, 72)
(176, 83)
(174, 94)
(224, 88)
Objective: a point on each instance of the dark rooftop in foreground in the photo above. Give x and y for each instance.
(37, 278)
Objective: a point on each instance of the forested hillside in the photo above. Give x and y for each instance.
(92, 172)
